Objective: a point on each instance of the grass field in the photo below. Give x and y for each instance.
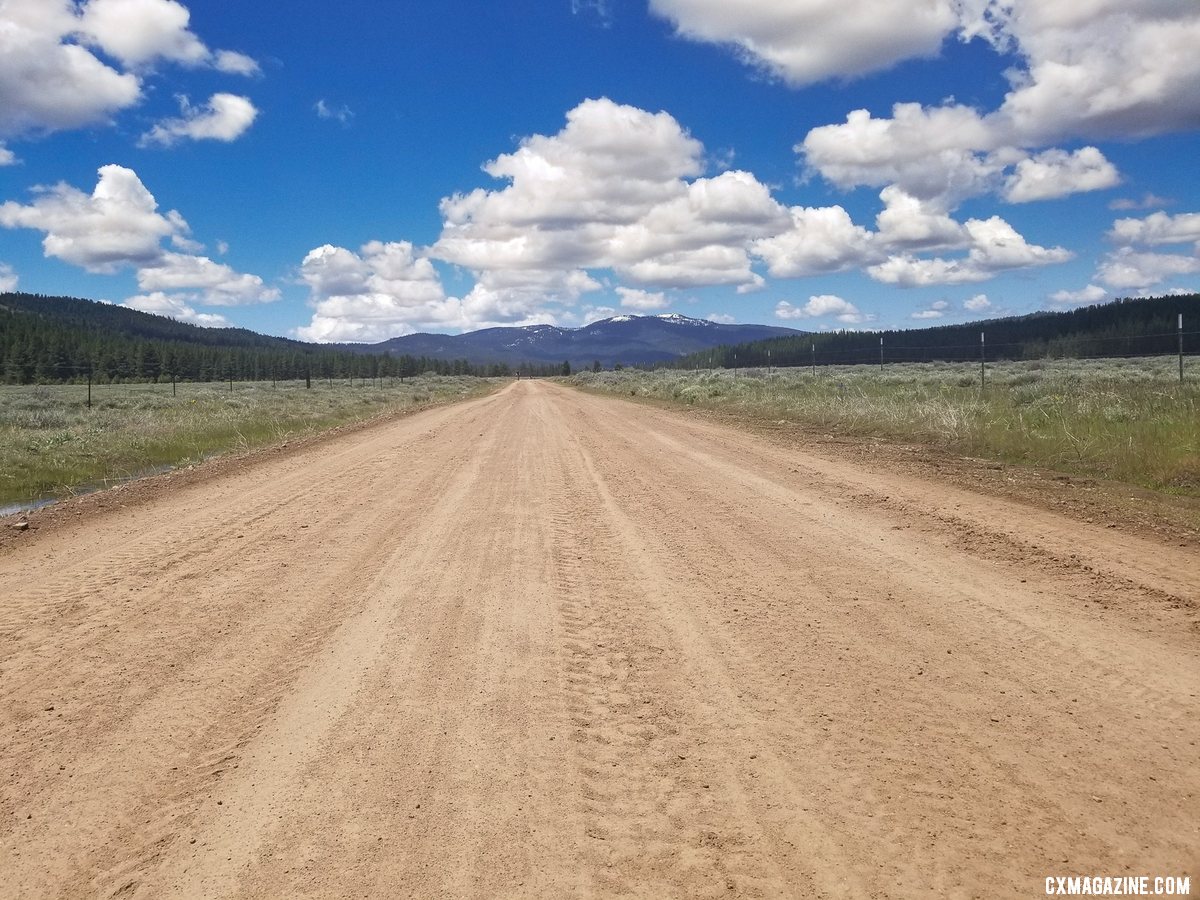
(51, 444)
(1126, 419)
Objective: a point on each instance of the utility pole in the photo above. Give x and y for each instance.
(982, 362)
(1181, 348)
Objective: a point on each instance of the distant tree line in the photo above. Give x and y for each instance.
(60, 339)
(1129, 327)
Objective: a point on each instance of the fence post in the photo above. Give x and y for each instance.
(89, 406)
(1181, 348)
(982, 362)
(814, 358)
(172, 384)
(881, 354)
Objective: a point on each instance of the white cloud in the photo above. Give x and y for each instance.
(1157, 229)
(822, 306)
(1146, 201)
(947, 153)
(1126, 268)
(935, 310)
(216, 283)
(225, 117)
(7, 157)
(117, 224)
(8, 278)
(721, 318)
(138, 32)
(1107, 68)
(820, 240)
(978, 303)
(65, 65)
(804, 41)
(380, 292)
(1056, 173)
(342, 114)
(642, 300)
(176, 308)
(233, 63)
(995, 247)
(1087, 69)
(186, 244)
(617, 188)
(592, 314)
(908, 223)
(1091, 294)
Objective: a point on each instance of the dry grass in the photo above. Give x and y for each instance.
(1128, 420)
(51, 444)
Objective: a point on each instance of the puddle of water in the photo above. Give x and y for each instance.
(16, 509)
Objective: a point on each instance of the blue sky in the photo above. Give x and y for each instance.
(359, 171)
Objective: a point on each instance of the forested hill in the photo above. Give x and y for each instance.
(55, 339)
(1131, 327)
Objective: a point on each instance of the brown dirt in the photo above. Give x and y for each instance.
(551, 644)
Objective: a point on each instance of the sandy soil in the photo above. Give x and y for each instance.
(551, 644)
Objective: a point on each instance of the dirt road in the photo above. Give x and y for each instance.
(549, 644)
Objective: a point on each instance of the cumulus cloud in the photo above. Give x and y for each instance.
(161, 304)
(211, 282)
(947, 153)
(935, 310)
(380, 292)
(120, 226)
(7, 157)
(1127, 268)
(234, 63)
(978, 303)
(225, 117)
(117, 224)
(642, 300)
(804, 41)
(138, 32)
(721, 318)
(822, 306)
(1093, 293)
(1157, 229)
(1056, 173)
(65, 65)
(617, 188)
(909, 223)
(8, 278)
(820, 240)
(1086, 70)
(995, 246)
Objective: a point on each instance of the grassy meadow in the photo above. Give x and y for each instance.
(1125, 419)
(52, 445)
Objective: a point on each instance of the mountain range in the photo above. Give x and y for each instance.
(621, 339)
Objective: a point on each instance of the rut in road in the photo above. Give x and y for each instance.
(551, 644)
